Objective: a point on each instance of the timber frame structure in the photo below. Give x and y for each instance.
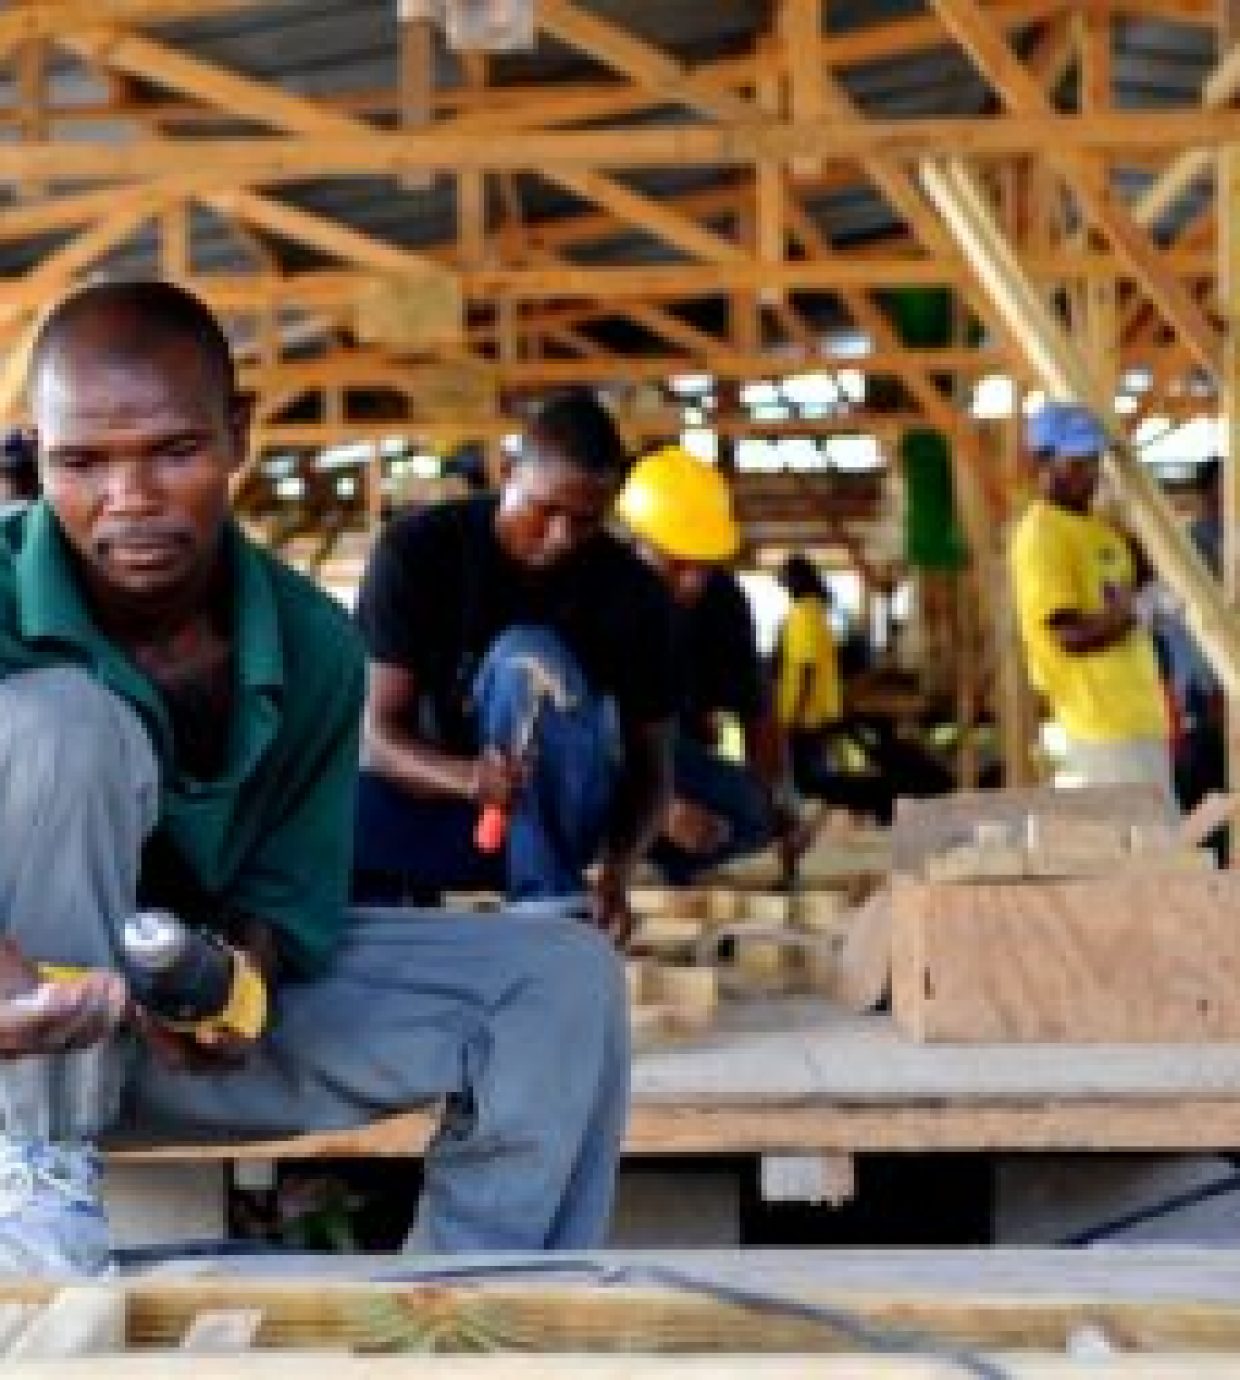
(657, 189)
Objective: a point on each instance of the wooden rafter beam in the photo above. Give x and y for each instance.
(522, 106)
(991, 52)
(372, 369)
(654, 424)
(387, 153)
(1065, 374)
(125, 50)
(611, 287)
(644, 63)
(873, 321)
(362, 368)
(239, 95)
(653, 216)
(1194, 165)
(138, 55)
(923, 33)
(49, 280)
(525, 106)
(236, 94)
(26, 19)
(609, 284)
(322, 232)
(68, 210)
(470, 184)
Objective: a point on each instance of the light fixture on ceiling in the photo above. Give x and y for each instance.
(485, 26)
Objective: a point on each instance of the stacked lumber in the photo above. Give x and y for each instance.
(1072, 930)
(754, 943)
(840, 854)
(1052, 846)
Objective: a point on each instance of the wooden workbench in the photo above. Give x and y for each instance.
(798, 1075)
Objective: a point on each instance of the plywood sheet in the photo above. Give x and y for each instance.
(1130, 959)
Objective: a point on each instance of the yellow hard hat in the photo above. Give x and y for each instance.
(681, 506)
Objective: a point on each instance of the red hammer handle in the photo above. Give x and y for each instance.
(491, 828)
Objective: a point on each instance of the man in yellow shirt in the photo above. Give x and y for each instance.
(809, 698)
(1075, 577)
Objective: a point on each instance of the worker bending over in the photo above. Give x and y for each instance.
(179, 724)
(1075, 577)
(679, 512)
(521, 664)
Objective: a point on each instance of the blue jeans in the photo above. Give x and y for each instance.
(726, 789)
(516, 1023)
(421, 845)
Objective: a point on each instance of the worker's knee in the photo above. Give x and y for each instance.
(506, 665)
(584, 976)
(63, 734)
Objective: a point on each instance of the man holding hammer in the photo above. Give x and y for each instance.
(521, 686)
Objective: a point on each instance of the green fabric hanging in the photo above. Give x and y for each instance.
(922, 316)
(932, 536)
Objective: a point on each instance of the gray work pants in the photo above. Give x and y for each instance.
(519, 1023)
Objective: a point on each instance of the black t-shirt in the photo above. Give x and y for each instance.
(439, 589)
(721, 668)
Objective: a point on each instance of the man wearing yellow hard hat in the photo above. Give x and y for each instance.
(679, 512)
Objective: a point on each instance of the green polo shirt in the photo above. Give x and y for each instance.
(271, 836)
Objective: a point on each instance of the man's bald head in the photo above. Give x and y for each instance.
(135, 321)
(139, 431)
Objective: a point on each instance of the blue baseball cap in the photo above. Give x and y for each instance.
(1066, 431)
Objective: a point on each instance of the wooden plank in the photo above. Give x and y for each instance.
(1173, 1123)
(415, 84)
(322, 232)
(1123, 960)
(78, 1321)
(1144, 1300)
(1167, 1366)
(142, 56)
(863, 968)
(175, 257)
(174, 69)
(223, 1331)
(381, 152)
(643, 62)
(800, 28)
(923, 827)
(1190, 167)
(653, 216)
(471, 183)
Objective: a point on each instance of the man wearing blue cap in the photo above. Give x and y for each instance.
(1075, 577)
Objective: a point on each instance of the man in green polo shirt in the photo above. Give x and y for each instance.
(179, 720)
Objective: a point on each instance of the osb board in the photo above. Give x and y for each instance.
(1150, 959)
(929, 826)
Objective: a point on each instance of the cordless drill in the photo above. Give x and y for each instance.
(191, 979)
